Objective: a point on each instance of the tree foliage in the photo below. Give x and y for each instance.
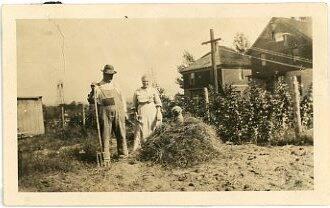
(306, 108)
(241, 42)
(188, 59)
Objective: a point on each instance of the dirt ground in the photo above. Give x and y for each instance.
(240, 167)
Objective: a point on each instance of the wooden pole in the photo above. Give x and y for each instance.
(61, 97)
(83, 115)
(97, 122)
(214, 65)
(62, 115)
(214, 71)
(220, 69)
(207, 102)
(296, 106)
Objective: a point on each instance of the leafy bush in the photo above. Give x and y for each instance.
(194, 106)
(306, 108)
(167, 103)
(256, 115)
(225, 114)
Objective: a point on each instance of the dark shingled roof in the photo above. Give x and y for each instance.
(304, 27)
(228, 59)
(295, 26)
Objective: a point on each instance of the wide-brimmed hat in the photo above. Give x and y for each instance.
(109, 69)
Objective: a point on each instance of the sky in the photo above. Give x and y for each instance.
(133, 46)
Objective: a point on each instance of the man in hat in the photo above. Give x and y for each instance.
(112, 112)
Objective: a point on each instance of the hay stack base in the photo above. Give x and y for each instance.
(182, 145)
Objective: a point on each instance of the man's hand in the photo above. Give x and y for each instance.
(90, 98)
(91, 95)
(135, 115)
(127, 121)
(93, 84)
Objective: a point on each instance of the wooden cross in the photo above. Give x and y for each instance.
(214, 65)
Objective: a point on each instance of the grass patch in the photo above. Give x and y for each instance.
(41, 163)
(50, 153)
(289, 138)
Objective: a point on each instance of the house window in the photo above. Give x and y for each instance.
(241, 74)
(273, 35)
(279, 37)
(272, 28)
(192, 79)
(263, 61)
(295, 53)
(286, 41)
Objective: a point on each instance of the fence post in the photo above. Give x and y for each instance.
(296, 106)
(62, 116)
(83, 115)
(207, 102)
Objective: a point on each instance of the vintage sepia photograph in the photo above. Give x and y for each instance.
(165, 104)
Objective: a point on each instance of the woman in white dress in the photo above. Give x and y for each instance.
(147, 106)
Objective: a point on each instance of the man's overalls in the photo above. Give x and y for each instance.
(112, 112)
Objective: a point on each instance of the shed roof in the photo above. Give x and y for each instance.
(29, 98)
(228, 57)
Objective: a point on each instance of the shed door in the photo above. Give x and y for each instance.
(30, 117)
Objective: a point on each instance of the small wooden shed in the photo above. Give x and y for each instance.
(30, 119)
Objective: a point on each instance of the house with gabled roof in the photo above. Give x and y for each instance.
(284, 49)
(233, 68)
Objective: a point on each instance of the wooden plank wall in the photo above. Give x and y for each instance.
(30, 119)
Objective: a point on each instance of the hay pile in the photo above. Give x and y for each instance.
(181, 145)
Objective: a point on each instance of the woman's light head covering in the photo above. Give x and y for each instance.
(145, 77)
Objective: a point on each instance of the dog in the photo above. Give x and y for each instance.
(177, 114)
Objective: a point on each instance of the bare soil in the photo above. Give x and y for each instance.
(240, 167)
